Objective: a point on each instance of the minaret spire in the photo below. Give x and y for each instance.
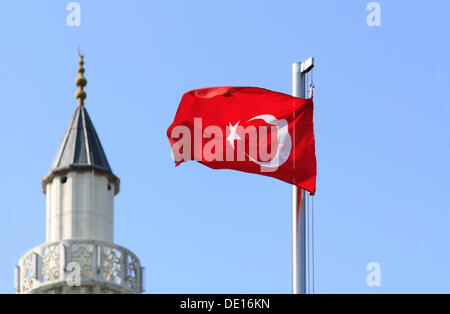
(79, 254)
(80, 81)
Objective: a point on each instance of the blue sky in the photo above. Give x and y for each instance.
(381, 123)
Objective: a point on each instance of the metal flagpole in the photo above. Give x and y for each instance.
(299, 258)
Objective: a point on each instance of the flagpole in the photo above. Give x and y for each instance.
(299, 259)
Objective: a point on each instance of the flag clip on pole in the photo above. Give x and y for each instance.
(299, 260)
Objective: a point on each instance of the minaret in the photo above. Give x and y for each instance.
(79, 255)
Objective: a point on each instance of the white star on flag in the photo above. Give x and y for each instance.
(233, 135)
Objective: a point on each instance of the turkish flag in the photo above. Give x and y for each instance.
(247, 129)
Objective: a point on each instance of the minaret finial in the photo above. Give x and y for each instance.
(80, 81)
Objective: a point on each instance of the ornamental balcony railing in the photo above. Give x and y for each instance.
(100, 264)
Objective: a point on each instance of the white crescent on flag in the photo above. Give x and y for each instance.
(284, 142)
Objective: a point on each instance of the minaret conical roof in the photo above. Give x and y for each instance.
(80, 148)
(80, 145)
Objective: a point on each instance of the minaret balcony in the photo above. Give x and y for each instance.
(79, 266)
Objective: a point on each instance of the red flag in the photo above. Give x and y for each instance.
(248, 129)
